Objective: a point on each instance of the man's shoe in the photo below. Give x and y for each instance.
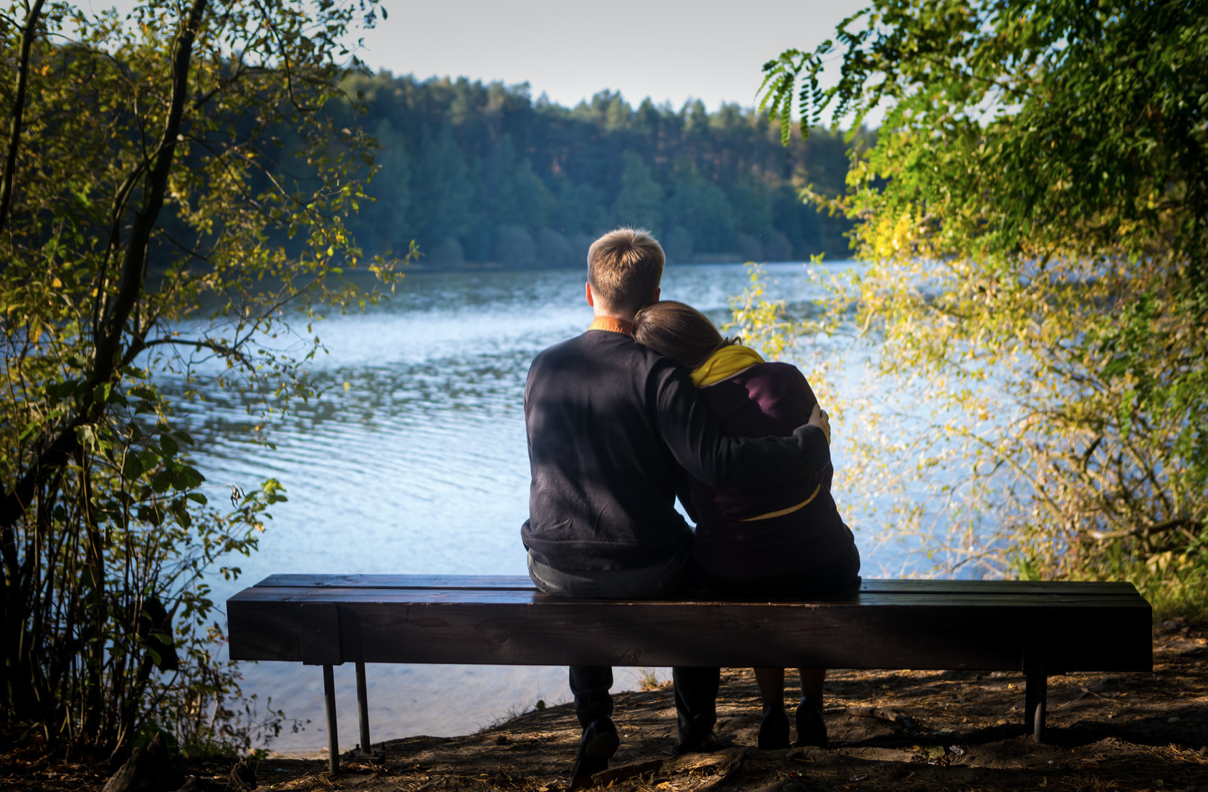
(705, 743)
(600, 739)
(774, 730)
(585, 767)
(811, 729)
(598, 743)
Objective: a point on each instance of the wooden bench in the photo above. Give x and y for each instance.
(1037, 628)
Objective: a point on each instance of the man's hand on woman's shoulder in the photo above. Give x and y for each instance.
(820, 419)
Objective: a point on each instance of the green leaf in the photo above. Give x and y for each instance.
(162, 481)
(168, 445)
(132, 466)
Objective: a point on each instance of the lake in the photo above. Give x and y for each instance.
(414, 460)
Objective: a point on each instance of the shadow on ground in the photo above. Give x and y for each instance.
(889, 731)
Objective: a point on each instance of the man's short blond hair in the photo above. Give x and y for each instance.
(624, 267)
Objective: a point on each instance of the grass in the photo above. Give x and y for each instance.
(648, 679)
(1175, 593)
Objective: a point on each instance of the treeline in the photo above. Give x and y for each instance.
(483, 174)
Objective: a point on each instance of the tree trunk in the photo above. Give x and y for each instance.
(8, 174)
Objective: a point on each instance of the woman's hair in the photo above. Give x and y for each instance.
(680, 332)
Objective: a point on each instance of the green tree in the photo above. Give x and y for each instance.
(576, 207)
(146, 206)
(554, 250)
(514, 247)
(520, 197)
(640, 200)
(699, 206)
(442, 189)
(1034, 212)
(385, 223)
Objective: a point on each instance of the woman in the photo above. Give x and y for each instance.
(778, 541)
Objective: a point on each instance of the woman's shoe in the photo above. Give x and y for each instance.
(811, 729)
(774, 730)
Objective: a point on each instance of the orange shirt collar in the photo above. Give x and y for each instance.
(612, 325)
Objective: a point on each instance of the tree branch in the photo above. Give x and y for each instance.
(131, 283)
(289, 74)
(200, 343)
(8, 175)
(1148, 530)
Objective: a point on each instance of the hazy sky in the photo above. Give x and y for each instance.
(664, 49)
(669, 50)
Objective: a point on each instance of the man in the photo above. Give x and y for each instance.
(608, 422)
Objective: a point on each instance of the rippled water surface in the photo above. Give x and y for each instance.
(414, 461)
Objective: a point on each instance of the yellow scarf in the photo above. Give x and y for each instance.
(725, 363)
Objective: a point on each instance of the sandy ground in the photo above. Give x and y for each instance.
(888, 731)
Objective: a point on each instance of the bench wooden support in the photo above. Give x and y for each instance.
(1036, 628)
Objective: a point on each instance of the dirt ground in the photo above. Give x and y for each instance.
(888, 731)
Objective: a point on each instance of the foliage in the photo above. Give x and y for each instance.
(154, 228)
(1034, 212)
(763, 324)
(468, 163)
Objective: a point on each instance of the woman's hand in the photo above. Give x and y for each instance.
(820, 419)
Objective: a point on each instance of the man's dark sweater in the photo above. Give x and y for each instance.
(608, 421)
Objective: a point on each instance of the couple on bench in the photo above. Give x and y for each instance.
(650, 403)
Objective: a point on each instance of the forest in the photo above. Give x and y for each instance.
(481, 174)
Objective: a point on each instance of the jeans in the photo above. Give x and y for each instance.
(666, 579)
(695, 687)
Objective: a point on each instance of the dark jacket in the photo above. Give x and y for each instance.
(767, 399)
(608, 422)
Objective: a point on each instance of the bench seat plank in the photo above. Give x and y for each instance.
(1029, 627)
(481, 582)
(476, 582)
(536, 599)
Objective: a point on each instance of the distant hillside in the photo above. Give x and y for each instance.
(482, 174)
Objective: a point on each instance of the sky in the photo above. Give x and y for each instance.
(668, 50)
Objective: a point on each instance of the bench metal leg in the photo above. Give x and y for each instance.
(333, 745)
(1035, 704)
(363, 711)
